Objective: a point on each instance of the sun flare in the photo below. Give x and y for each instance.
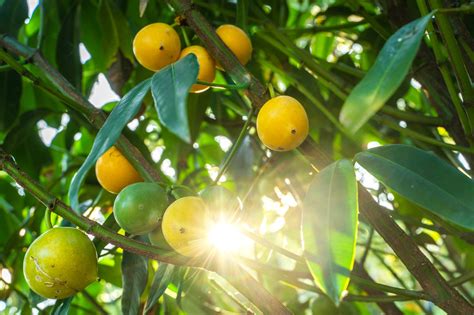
(225, 237)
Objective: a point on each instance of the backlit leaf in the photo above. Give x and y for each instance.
(424, 179)
(330, 227)
(385, 76)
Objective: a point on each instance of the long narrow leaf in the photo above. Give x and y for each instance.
(170, 87)
(330, 227)
(424, 179)
(125, 110)
(161, 280)
(385, 76)
(134, 279)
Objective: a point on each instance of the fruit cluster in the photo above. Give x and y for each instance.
(63, 261)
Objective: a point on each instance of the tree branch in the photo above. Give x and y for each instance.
(406, 249)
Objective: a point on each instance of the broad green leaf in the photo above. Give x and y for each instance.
(385, 76)
(170, 87)
(125, 110)
(424, 179)
(10, 93)
(163, 277)
(12, 16)
(134, 279)
(330, 227)
(67, 47)
(99, 33)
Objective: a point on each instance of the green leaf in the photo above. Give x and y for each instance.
(10, 93)
(61, 307)
(385, 76)
(163, 277)
(330, 227)
(127, 108)
(170, 88)
(98, 22)
(67, 47)
(424, 179)
(12, 16)
(24, 143)
(134, 279)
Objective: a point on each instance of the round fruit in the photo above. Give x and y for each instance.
(207, 70)
(221, 202)
(185, 225)
(282, 123)
(139, 207)
(114, 172)
(156, 46)
(60, 263)
(237, 41)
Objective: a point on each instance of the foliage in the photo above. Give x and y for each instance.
(387, 87)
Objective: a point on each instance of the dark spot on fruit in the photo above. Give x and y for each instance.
(182, 230)
(162, 47)
(280, 148)
(52, 266)
(293, 131)
(55, 296)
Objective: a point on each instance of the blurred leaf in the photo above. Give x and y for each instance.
(61, 307)
(197, 105)
(10, 93)
(24, 143)
(242, 13)
(385, 76)
(67, 48)
(127, 108)
(134, 279)
(12, 16)
(163, 277)
(170, 88)
(142, 7)
(8, 224)
(99, 33)
(330, 227)
(424, 179)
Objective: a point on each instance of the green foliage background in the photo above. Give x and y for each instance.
(316, 51)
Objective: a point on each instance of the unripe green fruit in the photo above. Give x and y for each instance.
(139, 207)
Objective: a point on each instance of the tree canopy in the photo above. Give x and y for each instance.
(297, 157)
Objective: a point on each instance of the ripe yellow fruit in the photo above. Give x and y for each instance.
(237, 41)
(185, 226)
(156, 46)
(207, 70)
(60, 263)
(114, 172)
(282, 123)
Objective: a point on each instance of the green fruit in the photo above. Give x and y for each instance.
(60, 263)
(139, 207)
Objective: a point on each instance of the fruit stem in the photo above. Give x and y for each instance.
(235, 146)
(47, 217)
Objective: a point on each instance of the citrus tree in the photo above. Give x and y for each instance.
(268, 157)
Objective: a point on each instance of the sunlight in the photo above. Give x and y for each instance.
(225, 237)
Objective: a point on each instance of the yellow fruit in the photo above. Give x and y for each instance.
(156, 46)
(282, 123)
(207, 71)
(185, 226)
(114, 172)
(237, 41)
(60, 263)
